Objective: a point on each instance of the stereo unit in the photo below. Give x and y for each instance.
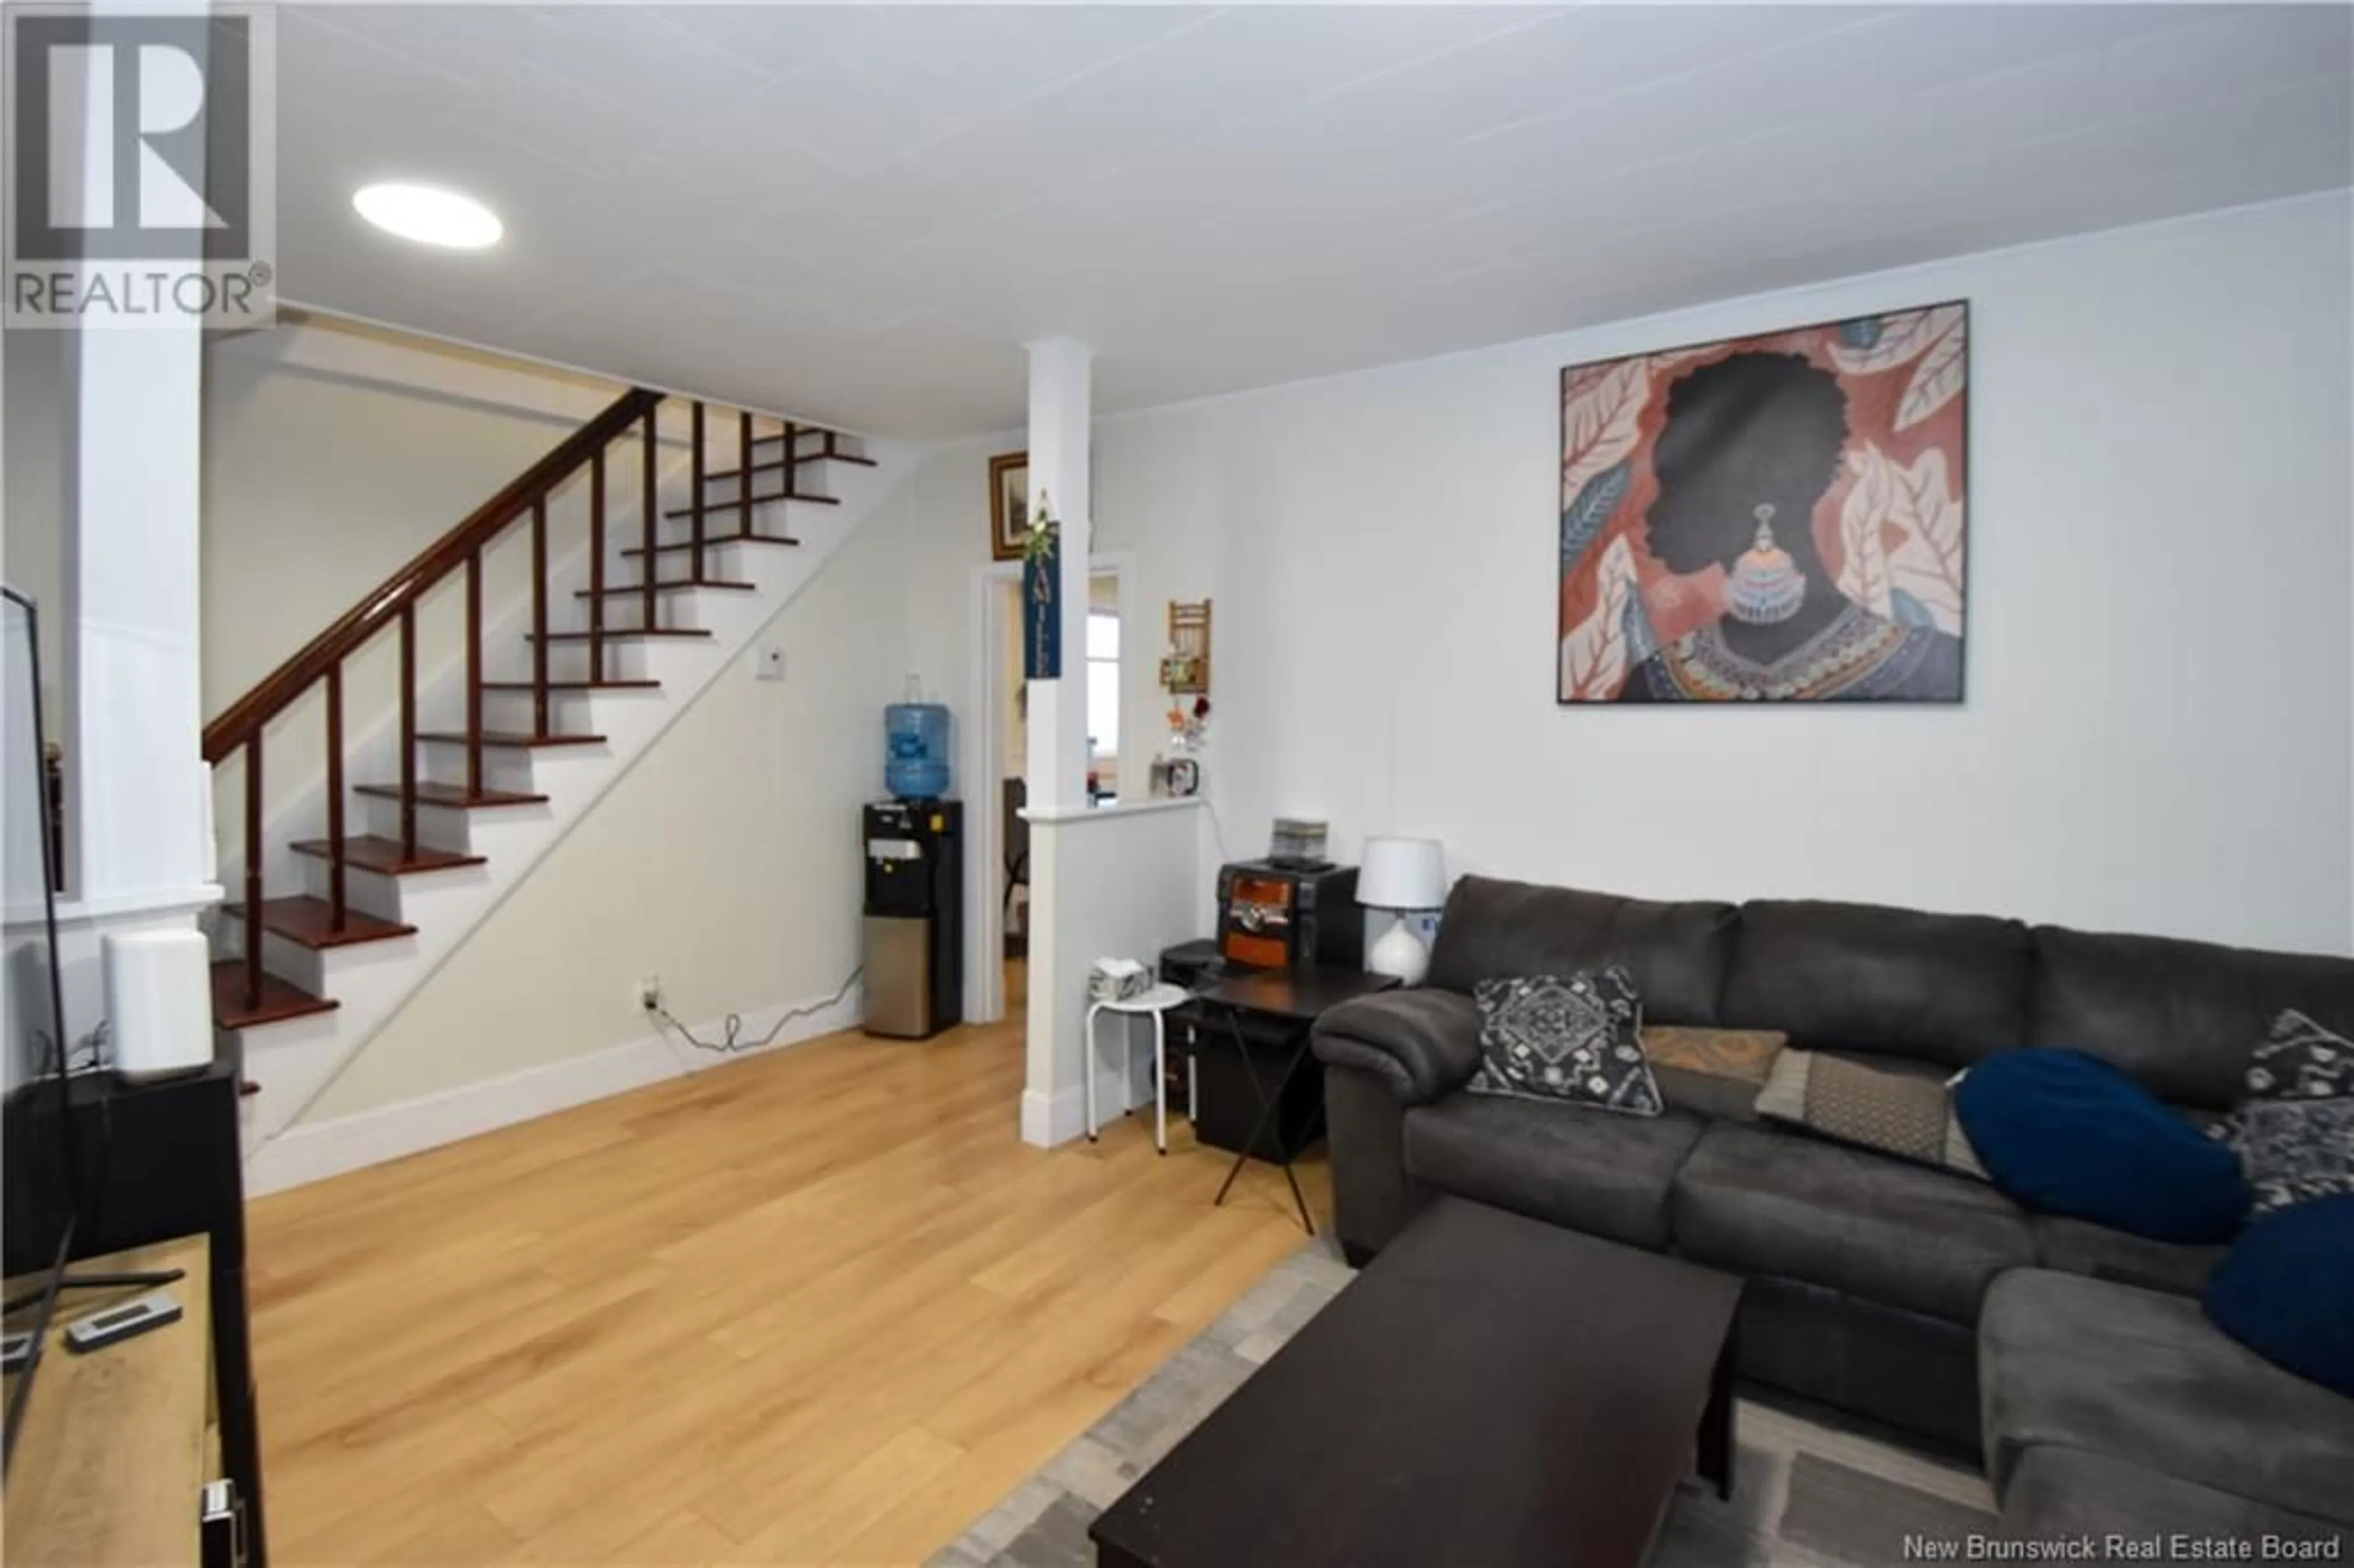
(1276, 916)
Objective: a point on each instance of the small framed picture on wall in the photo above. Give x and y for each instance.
(1009, 505)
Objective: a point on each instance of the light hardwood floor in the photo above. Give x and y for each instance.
(819, 1306)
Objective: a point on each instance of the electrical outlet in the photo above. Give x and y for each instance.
(649, 992)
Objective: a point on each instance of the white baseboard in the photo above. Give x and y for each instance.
(1058, 1118)
(1051, 1119)
(311, 1151)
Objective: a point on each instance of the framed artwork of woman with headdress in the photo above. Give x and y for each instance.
(1778, 518)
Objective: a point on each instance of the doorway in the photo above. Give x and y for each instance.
(998, 872)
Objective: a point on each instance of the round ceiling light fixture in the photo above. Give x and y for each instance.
(429, 215)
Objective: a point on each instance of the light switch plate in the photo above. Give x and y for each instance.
(769, 662)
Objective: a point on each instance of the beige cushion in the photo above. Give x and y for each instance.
(1900, 1114)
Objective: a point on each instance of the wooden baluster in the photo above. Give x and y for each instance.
(597, 565)
(408, 727)
(475, 673)
(792, 464)
(694, 504)
(744, 479)
(227, 735)
(539, 618)
(335, 794)
(646, 514)
(253, 871)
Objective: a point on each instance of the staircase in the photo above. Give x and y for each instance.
(354, 893)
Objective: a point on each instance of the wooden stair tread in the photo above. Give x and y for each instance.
(717, 474)
(512, 739)
(772, 464)
(279, 1000)
(311, 923)
(727, 503)
(369, 852)
(611, 632)
(672, 586)
(711, 539)
(432, 794)
(613, 685)
(821, 455)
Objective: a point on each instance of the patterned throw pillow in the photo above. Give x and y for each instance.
(1912, 1117)
(2300, 1060)
(2297, 1150)
(2298, 1063)
(1577, 1039)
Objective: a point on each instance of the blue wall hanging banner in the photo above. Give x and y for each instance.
(1042, 632)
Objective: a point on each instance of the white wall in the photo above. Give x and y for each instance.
(2159, 733)
(2159, 729)
(319, 484)
(727, 861)
(333, 454)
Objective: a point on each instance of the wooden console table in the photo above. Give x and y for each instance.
(159, 1160)
(117, 1445)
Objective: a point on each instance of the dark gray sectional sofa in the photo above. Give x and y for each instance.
(2076, 1358)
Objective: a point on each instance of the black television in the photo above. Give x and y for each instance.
(36, 1126)
(42, 1194)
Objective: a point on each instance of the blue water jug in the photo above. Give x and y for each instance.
(915, 750)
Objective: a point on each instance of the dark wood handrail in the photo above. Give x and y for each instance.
(244, 718)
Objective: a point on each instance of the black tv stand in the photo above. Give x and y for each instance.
(160, 1161)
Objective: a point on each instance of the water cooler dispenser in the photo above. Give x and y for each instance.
(915, 926)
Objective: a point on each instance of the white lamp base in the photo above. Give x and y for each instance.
(1400, 954)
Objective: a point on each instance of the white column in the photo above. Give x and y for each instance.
(139, 847)
(140, 812)
(1060, 393)
(139, 820)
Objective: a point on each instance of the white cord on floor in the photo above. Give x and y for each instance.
(731, 1040)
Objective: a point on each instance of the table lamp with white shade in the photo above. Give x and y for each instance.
(1406, 876)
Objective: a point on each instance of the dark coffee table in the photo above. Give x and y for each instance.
(1493, 1391)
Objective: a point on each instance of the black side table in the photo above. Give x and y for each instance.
(1288, 1003)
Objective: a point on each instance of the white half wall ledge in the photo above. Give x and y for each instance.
(1107, 813)
(162, 904)
(1124, 886)
(313, 1152)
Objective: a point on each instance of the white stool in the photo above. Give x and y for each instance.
(1156, 1001)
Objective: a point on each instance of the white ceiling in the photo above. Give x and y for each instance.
(859, 214)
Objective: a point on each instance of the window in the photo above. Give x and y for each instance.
(1103, 685)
